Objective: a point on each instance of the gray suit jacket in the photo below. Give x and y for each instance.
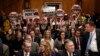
(35, 47)
(5, 50)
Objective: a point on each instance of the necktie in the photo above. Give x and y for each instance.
(69, 54)
(89, 42)
(78, 43)
(26, 54)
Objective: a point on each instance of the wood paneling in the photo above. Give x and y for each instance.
(11, 5)
(97, 6)
(88, 6)
(66, 4)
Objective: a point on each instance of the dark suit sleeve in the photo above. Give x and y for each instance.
(62, 53)
(84, 40)
(77, 53)
(20, 53)
(98, 39)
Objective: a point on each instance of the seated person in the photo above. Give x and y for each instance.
(26, 50)
(69, 49)
(46, 50)
(34, 46)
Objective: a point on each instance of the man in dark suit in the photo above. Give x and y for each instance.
(69, 49)
(77, 39)
(26, 50)
(91, 40)
(38, 35)
(34, 45)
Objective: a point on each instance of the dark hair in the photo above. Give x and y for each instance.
(31, 30)
(16, 34)
(91, 24)
(77, 30)
(59, 37)
(27, 36)
(36, 13)
(65, 17)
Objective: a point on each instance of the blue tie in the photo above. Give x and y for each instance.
(89, 42)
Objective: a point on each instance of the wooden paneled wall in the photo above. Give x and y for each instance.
(11, 5)
(88, 6)
(97, 6)
(66, 4)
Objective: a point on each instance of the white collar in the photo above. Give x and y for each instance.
(28, 53)
(69, 53)
(94, 30)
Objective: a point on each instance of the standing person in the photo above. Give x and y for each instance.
(91, 40)
(43, 23)
(72, 21)
(69, 49)
(77, 40)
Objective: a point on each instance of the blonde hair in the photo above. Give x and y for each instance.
(47, 47)
(45, 34)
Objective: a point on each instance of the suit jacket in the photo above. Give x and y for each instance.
(21, 53)
(64, 53)
(75, 42)
(35, 47)
(85, 41)
(5, 50)
(38, 38)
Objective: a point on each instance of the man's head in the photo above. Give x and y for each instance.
(69, 45)
(77, 33)
(89, 27)
(37, 30)
(28, 38)
(27, 46)
(24, 29)
(32, 33)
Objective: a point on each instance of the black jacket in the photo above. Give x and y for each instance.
(85, 41)
(21, 53)
(64, 53)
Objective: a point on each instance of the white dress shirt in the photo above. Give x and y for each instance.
(93, 45)
(69, 54)
(26, 54)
